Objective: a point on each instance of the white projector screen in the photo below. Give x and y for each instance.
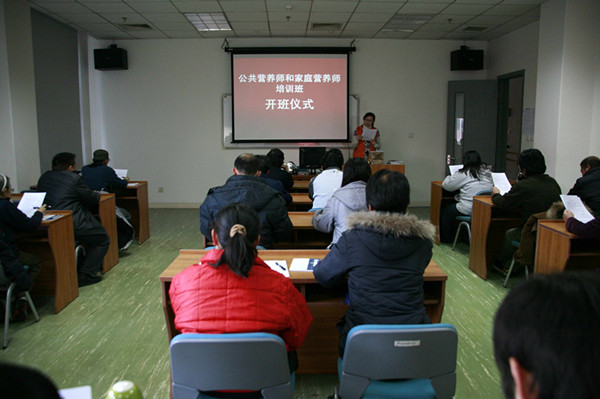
(290, 97)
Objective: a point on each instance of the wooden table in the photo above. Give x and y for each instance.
(108, 217)
(488, 225)
(300, 186)
(134, 199)
(300, 202)
(439, 199)
(54, 243)
(304, 235)
(377, 167)
(318, 354)
(558, 250)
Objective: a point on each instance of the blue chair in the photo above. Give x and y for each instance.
(465, 221)
(515, 244)
(202, 363)
(399, 361)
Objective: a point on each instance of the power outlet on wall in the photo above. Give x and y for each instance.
(161, 189)
(411, 135)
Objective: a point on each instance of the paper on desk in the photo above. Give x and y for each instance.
(368, 134)
(575, 205)
(84, 392)
(304, 264)
(31, 202)
(50, 216)
(121, 173)
(280, 266)
(132, 184)
(501, 182)
(454, 168)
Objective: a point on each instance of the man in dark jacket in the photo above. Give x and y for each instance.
(66, 190)
(534, 192)
(587, 187)
(277, 172)
(384, 253)
(101, 177)
(246, 187)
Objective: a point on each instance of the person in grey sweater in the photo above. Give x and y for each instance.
(349, 198)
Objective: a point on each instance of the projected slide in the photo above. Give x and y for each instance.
(290, 97)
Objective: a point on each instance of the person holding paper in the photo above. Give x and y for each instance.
(347, 199)
(384, 253)
(474, 177)
(232, 290)
(587, 187)
(590, 229)
(534, 192)
(366, 137)
(101, 177)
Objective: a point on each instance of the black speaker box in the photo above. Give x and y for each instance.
(466, 60)
(110, 59)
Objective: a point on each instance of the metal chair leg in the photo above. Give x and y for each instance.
(7, 313)
(458, 233)
(510, 269)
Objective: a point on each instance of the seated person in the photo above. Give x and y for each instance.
(264, 165)
(546, 334)
(66, 190)
(587, 187)
(18, 382)
(12, 221)
(322, 186)
(349, 198)
(533, 193)
(590, 229)
(246, 187)
(101, 177)
(232, 290)
(384, 253)
(475, 176)
(277, 172)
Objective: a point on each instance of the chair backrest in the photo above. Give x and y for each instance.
(390, 352)
(248, 361)
(484, 192)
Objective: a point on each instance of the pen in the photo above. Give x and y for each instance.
(283, 268)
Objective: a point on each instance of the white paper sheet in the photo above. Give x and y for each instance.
(132, 184)
(121, 173)
(304, 264)
(280, 266)
(501, 182)
(49, 216)
(368, 134)
(575, 205)
(454, 168)
(84, 392)
(31, 202)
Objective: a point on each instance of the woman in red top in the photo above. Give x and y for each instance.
(359, 144)
(232, 290)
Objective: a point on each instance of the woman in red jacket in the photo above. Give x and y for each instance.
(232, 290)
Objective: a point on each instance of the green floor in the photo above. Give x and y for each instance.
(115, 329)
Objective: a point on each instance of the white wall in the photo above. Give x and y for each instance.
(161, 119)
(8, 164)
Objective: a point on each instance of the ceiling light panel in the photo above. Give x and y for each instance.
(206, 22)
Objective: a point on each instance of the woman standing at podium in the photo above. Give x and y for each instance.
(362, 146)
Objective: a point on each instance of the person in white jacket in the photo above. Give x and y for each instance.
(474, 177)
(349, 198)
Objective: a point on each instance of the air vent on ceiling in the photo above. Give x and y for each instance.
(135, 27)
(326, 26)
(475, 28)
(406, 22)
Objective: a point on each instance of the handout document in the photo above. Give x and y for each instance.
(575, 205)
(304, 264)
(31, 202)
(280, 266)
(501, 181)
(368, 134)
(121, 173)
(83, 392)
(454, 168)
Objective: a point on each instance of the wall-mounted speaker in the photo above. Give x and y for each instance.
(110, 59)
(466, 59)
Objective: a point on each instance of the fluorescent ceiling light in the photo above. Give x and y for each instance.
(209, 21)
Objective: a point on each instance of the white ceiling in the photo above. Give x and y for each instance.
(450, 19)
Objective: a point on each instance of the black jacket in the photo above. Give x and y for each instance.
(102, 178)
(254, 192)
(587, 188)
(384, 256)
(12, 268)
(12, 221)
(67, 191)
(283, 176)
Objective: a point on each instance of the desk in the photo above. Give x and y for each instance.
(377, 167)
(54, 242)
(488, 224)
(108, 217)
(304, 235)
(318, 354)
(300, 202)
(558, 250)
(300, 186)
(134, 199)
(439, 199)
